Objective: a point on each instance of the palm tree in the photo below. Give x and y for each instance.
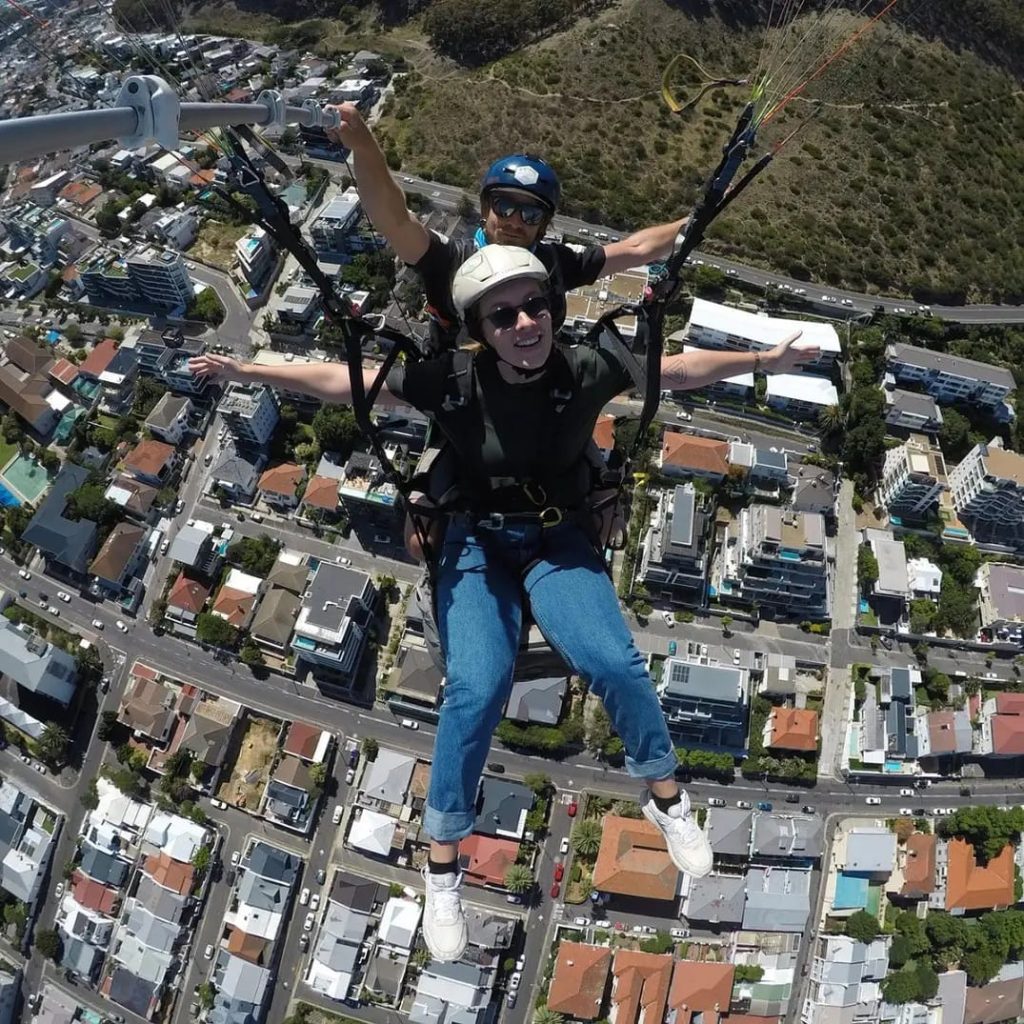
(53, 743)
(586, 838)
(542, 1015)
(831, 418)
(518, 878)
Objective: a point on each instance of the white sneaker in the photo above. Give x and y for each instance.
(444, 923)
(687, 845)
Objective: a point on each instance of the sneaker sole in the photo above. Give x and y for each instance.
(447, 958)
(686, 870)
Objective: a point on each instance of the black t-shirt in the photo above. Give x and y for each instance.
(569, 268)
(513, 431)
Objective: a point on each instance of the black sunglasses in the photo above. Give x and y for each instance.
(505, 317)
(529, 213)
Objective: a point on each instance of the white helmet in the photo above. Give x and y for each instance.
(489, 267)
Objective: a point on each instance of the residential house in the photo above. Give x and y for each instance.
(334, 958)
(893, 581)
(502, 808)
(298, 306)
(814, 490)
(241, 989)
(787, 837)
(946, 734)
(998, 1002)
(950, 379)
(36, 664)
(185, 601)
(531, 700)
(701, 992)
(925, 578)
(237, 473)
(25, 386)
(716, 901)
(320, 499)
(196, 547)
(279, 485)
(415, 686)
(586, 305)
(869, 853)
(913, 480)
(67, 543)
(330, 633)
(778, 898)
(152, 462)
(386, 779)
(801, 395)
(114, 569)
(717, 326)
(290, 572)
(169, 420)
(274, 622)
(308, 742)
(1001, 721)
(365, 494)
(291, 796)
(916, 868)
(674, 558)
(705, 705)
(686, 455)
(458, 991)
(969, 887)
(250, 412)
(135, 498)
(335, 222)
(1001, 601)
(844, 980)
(236, 599)
(728, 830)
(579, 981)
(485, 859)
(633, 861)
(27, 835)
(793, 729)
(769, 469)
(115, 369)
(148, 710)
(640, 986)
(908, 410)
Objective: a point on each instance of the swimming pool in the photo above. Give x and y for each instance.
(24, 479)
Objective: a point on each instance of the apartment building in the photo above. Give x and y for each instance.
(913, 480)
(949, 379)
(674, 555)
(988, 494)
(250, 413)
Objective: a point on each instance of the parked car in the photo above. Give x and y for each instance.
(684, 416)
(314, 901)
(408, 723)
(715, 801)
(496, 766)
(219, 804)
(669, 619)
(581, 922)
(64, 596)
(559, 872)
(907, 812)
(555, 890)
(121, 626)
(672, 648)
(303, 942)
(564, 846)
(874, 801)
(24, 574)
(235, 858)
(59, 890)
(572, 809)
(304, 898)
(679, 933)
(808, 809)
(208, 952)
(744, 805)
(792, 798)
(307, 925)
(512, 898)
(510, 999)
(350, 776)
(521, 964)
(165, 545)
(53, 610)
(514, 980)
(97, 624)
(764, 805)
(353, 757)
(336, 816)
(321, 877)
(886, 642)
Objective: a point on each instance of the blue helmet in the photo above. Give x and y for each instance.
(524, 173)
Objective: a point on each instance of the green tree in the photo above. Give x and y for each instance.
(207, 306)
(922, 615)
(542, 1015)
(206, 994)
(867, 568)
(954, 435)
(370, 748)
(538, 783)
(335, 429)
(251, 654)
(72, 332)
(318, 774)
(212, 629)
(255, 555)
(53, 743)
(586, 838)
(518, 878)
(900, 951)
(201, 860)
(988, 829)
(90, 798)
(982, 965)
(598, 727)
(831, 419)
(726, 621)
(900, 987)
(88, 502)
(49, 944)
(862, 926)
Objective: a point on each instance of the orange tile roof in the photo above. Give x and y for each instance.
(149, 457)
(1008, 725)
(794, 729)
(63, 371)
(604, 432)
(188, 594)
(282, 479)
(633, 860)
(1010, 703)
(322, 492)
(700, 987)
(972, 887)
(919, 866)
(487, 858)
(81, 193)
(170, 873)
(700, 454)
(580, 978)
(92, 894)
(234, 605)
(99, 358)
(143, 671)
(201, 178)
(302, 740)
(640, 986)
(248, 947)
(941, 733)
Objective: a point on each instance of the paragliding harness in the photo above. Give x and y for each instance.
(642, 359)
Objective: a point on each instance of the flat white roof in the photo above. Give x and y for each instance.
(764, 329)
(802, 387)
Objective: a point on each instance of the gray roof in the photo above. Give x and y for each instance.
(897, 400)
(1006, 589)
(167, 410)
(418, 676)
(711, 682)
(270, 862)
(953, 994)
(237, 468)
(502, 807)
(262, 893)
(796, 836)
(778, 899)
(36, 664)
(487, 930)
(813, 490)
(161, 902)
(870, 851)
(150, 929)
(356, 892)
(289, 576)
(717, 899)
(728, 831)
(188, 544)
(537, 700)
(241, 978)
(387, 777)
(385, 974)
(80, 956)
(65, 541)
(275, 617)
(891, 556)
(131, 992)
(957, 366)
(332, 591)
(900, 686)
(765, 458)
(103, 866)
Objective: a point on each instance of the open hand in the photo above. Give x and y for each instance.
(783, 357)
(219, 368)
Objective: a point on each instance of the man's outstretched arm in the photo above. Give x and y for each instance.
(382, 199)
(643, 246)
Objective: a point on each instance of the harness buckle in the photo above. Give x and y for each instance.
(550, 516)
(528, 488)
(494, 521)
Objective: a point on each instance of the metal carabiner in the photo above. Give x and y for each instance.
(550, 516)
(528, 486)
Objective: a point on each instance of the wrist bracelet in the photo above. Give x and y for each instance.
(757, 362)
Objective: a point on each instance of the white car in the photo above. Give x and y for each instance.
(407, 180)
(847, 302)
(53, 610)
(874, 801)
(679, 933)
(307, 925)
(165, 545)
(564, 847)
(907, 812)
(408, 723)
(219, 804)
(208, 952)
(24, 575)
(603, 923)
(684, 416)
(314, 901)
(715, 801)
(906, 792)
(64, 596)
(513, 982)
(121, 626)
(350, 776)
(304, 898)
(235, 858)
(336, 816)
(732, 273)
(344, 561)
(59, 891)
(736, 656)
(669, 620)
(435, 195)
(97, 624)
(581, 922)
(521, 964)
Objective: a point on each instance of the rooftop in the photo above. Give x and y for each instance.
(579, 980)
(969, 886)
(794, 729)
(633, 860)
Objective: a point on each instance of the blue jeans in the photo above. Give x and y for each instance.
(480, 584)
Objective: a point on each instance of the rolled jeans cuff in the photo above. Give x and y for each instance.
(663, 767)
(448, 826)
